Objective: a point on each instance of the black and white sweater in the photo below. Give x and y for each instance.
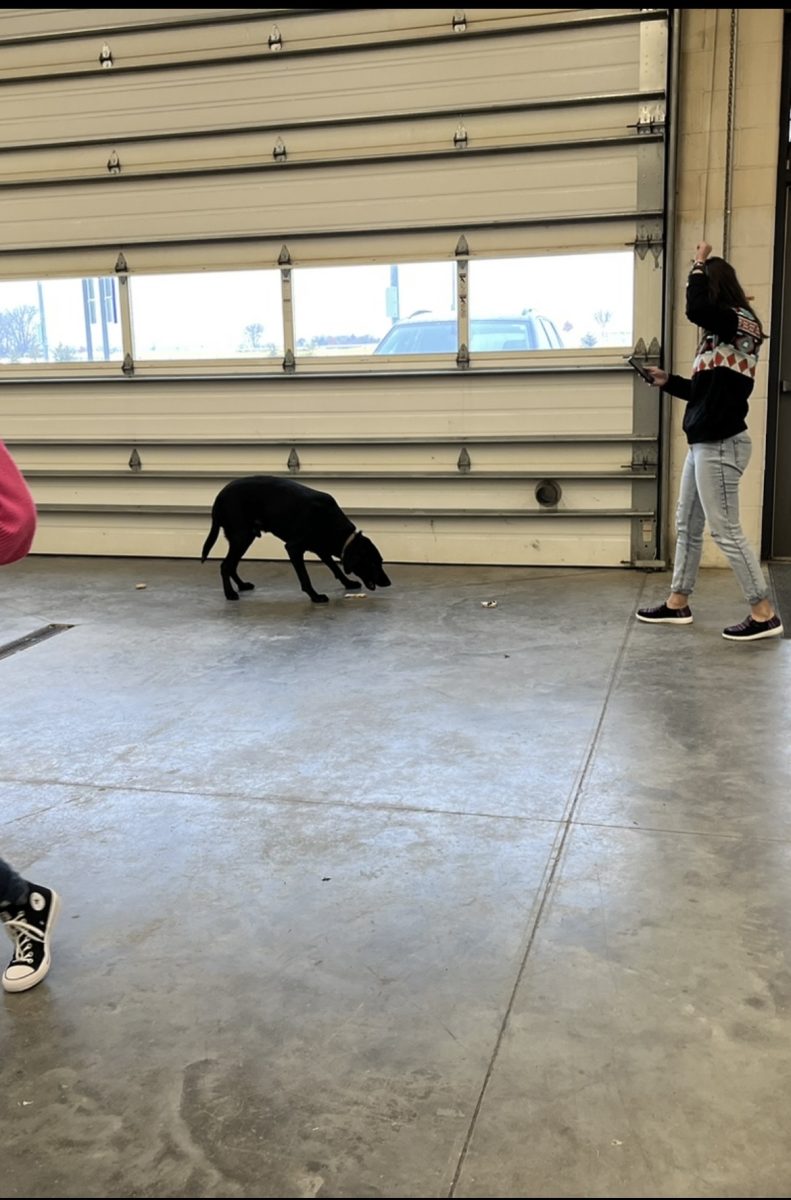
(723, 371)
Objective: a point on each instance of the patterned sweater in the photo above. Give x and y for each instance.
(17, 511)
(723, 371)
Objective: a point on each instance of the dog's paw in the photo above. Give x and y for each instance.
(352, 585)
(231, 596)
(317, 599)
(246, 587)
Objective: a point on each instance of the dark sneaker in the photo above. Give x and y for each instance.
(751, 630)
(662, 615)
(30, 926)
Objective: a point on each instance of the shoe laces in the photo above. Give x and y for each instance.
(24, 935)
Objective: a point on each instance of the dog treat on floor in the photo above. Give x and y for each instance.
(304, 519)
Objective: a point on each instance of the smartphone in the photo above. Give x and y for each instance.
(641, 371)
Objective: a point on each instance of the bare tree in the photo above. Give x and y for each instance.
(253, 335)
(20, 333)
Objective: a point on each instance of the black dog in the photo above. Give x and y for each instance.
(302, 518)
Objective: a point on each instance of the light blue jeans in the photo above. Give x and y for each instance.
(709, 494)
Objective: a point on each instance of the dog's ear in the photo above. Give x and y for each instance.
(366, 547)
(381, 579)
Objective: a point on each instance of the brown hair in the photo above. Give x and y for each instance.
(724, 287)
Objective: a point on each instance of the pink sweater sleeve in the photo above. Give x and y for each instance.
(17, 511)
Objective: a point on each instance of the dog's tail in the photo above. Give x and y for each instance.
(211, 539)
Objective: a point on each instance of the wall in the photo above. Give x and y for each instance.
(701, 191)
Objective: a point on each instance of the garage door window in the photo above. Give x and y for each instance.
(349, 310)
(578, 300)
(59, 321)
(221, 315)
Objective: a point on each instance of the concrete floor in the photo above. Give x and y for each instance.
(400, 896)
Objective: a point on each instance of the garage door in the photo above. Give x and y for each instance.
(399, 254)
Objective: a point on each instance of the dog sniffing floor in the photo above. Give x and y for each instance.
(401, 896)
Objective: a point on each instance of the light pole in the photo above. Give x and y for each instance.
(393, 301)
(42, 321)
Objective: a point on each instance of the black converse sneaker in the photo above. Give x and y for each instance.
(662, 615)
(30, 926)
(751, 630)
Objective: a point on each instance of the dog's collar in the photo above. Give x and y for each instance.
(348, 542)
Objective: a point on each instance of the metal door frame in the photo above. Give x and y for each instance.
(782, 211)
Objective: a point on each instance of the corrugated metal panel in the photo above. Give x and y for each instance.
(153, 40)
(429, 245)
(37, 23)
(511, 496)
(446, 76)
(324, 143)
(462, 405)
(375, 460)
(460, 190)
(588, 542)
